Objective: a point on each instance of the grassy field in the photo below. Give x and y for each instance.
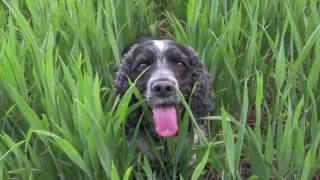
(58, 118)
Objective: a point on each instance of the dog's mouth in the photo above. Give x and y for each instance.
(165, 118)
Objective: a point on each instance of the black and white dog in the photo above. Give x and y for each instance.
(166, 66)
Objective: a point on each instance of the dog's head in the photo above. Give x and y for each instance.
(165, 66)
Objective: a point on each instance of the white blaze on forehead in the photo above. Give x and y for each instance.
(159, 44)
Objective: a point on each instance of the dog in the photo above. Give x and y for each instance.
(163, 67)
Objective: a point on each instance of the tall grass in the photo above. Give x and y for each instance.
(59, 120)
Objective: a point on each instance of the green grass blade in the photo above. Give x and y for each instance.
(197, 172)
(229, 142)
(73, 154)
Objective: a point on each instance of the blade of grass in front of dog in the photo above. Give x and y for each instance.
(194, 122)
(171, 146)
(182, 136)
(182, 140)
(155, 149)
(123, 108)
(133, 144)
(139, 96)
(199, 169)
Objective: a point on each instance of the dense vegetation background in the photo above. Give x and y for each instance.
(58, 119)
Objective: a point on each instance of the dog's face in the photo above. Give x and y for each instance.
(162, 66)
(165, 68)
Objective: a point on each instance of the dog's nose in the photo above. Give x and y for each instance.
(162, 88)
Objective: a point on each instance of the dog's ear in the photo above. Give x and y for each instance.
(202, 101)
(121, 76)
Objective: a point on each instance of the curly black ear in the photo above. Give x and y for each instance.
(202, 101)
(121, 77)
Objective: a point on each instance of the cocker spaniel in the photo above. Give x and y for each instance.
(164, 66)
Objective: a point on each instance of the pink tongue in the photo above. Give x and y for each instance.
(166, 120)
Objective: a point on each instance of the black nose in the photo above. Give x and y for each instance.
(162, 88)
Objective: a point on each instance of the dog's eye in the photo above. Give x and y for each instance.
(142, 66)
(180, 65)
